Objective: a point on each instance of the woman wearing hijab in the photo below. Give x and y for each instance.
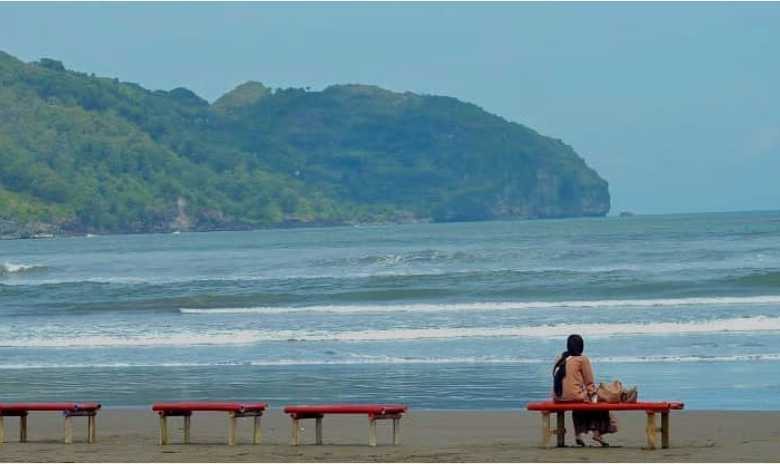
(573, 382)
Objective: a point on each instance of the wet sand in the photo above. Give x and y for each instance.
(428, 436)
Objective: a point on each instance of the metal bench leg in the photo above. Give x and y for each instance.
(665, 430)
(371, 431)
(560, 430)
(318, 430)
(68, 426)
(651, 431)
(396, 430)
(163, 429)
(257, 433)
(2, 430)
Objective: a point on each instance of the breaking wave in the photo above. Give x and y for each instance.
(493, 306)
(245, 337)
(379, 360)
(11, 268)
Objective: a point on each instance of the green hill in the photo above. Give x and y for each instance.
(80, 153)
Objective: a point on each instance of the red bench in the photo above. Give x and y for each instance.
(21, 410)
(651, 409)
(373, 411)
(234, 410)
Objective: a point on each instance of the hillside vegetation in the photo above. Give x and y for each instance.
(80, 153)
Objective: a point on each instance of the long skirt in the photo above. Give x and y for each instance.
(600, 421)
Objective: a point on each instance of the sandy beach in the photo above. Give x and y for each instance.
(427, 436)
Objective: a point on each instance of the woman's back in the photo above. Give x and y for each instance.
(578, 381)
(573, 381)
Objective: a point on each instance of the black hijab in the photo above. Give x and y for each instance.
(574, 347)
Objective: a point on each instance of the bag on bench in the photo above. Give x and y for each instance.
(614, 392)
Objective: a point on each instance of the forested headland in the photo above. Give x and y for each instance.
(87, 154)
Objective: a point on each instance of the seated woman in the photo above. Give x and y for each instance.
(573, 381)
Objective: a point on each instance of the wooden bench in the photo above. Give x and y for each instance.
(234, 410)
(21, 410)
(374, 412)
(651, 409)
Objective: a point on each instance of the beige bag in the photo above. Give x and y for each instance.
(611, 392)
(630, 396)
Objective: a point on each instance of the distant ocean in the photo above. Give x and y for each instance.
(439, 316)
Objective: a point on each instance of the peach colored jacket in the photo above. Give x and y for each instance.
(578, 383)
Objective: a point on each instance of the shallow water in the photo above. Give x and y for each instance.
(466, 315)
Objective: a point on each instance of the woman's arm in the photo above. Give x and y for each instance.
(587, 376)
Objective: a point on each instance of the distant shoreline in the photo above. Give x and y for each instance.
(292, 225)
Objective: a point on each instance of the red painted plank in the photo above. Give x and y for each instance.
(19, 407)
(554, 406)
(370, 409)
(208, 406)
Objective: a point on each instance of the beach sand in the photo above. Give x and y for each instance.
(132, 435)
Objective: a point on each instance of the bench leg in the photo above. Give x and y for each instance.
(91, 429)
(651, 431)
(545, 429)
(396, 430)
(295, 438)
(23, 429)
(371, 432)
(318, 430)
(560, 422)
(232, 429)
(664, 430)
(257, 434)
(2, 430)
(187, 429)
(68, 426)
(163, 429)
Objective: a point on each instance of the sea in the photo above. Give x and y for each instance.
(438, 316)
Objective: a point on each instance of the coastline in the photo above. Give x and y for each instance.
(50, 232)
(131, 435)
(55, 232)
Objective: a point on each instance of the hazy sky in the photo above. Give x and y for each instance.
(676, 105)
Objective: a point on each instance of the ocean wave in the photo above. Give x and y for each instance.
(767, 278)
(492, 306)
(688, 358)
(508, 283)
(382, 360)
(247, 337)
(412, 257)
(11, 268)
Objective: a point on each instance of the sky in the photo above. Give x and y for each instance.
(677, 105)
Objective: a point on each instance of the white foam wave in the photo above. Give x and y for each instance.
(382, 360)
(688, 359)
(245, 337)
(11, 268)
(493, 306)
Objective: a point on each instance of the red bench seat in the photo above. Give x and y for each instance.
(373, 411)
(650, 408)
(64, 407)
(554, 406)
(189, 407)
(21, 410)
(234, 410)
